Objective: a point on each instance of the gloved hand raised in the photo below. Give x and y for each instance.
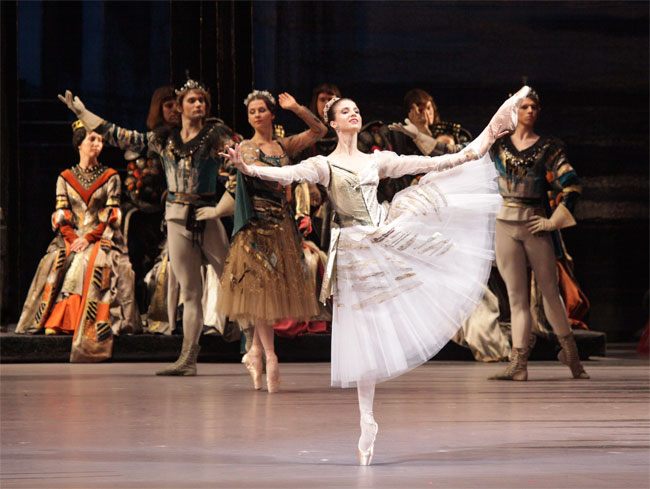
(88, 119)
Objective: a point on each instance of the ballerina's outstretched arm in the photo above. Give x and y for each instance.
(312, 170)
(504, 121)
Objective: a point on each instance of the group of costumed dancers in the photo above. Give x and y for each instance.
(402, 276)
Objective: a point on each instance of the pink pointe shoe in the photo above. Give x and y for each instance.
(254, 366)
(272, 374)
(369, 428)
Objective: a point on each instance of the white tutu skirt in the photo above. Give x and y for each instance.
(403, 289)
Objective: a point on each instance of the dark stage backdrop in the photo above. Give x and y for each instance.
(588, 60)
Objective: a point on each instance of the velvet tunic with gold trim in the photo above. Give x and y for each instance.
(88, 293)
(526, 177)
(194, 171)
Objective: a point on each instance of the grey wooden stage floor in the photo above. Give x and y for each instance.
(115, 425)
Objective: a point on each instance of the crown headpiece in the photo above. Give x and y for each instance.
(532, 93)
(328, 105)
(77, 125)
(190, 85)
(259, 93)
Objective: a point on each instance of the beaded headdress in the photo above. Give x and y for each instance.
(328, 105)
(259, 93)
(190, 85)
(77, 125)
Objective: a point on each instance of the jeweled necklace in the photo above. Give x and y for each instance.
(189, 148)
(88, 177)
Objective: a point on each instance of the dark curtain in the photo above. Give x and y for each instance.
(113, 55)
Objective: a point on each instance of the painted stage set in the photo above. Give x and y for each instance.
(116, 425)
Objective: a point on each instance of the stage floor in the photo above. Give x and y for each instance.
(116, 425)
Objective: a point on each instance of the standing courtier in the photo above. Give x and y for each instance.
(404, 276)
(527, 163)
(196, 179)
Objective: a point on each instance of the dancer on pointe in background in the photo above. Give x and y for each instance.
(193, 169)
(406, 276)
(527, 163)
(264, 279)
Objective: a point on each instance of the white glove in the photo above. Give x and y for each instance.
(407, 128)
(88, 119)
(502, 122)
(425, 143)
(560, 219)
(205, 213)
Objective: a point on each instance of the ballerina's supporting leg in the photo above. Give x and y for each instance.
(264, 331)
(369, 428)
(253, 359)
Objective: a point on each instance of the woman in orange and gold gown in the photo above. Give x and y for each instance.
(84, 283)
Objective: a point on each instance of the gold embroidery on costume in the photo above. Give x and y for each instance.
(59, 260)
(62, 202)
(103, 331)
(91, 312)
(386, 295)
(264, 277)
(69, 293)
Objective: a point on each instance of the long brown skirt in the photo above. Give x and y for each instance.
(264, 276)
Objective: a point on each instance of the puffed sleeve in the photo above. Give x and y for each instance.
(110, 215)
(302, 199)
(62, 219)
(561, 174)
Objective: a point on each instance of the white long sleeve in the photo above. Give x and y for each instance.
(312, 170)
(394, 166)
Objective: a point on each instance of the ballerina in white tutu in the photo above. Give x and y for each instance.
(404, 277)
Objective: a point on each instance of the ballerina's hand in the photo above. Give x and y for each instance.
(234, 155)
(489, 137)
(500, 133)
(287, 102)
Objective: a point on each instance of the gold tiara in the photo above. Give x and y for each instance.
(259, 93)
(77, 125)
(190, 85)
